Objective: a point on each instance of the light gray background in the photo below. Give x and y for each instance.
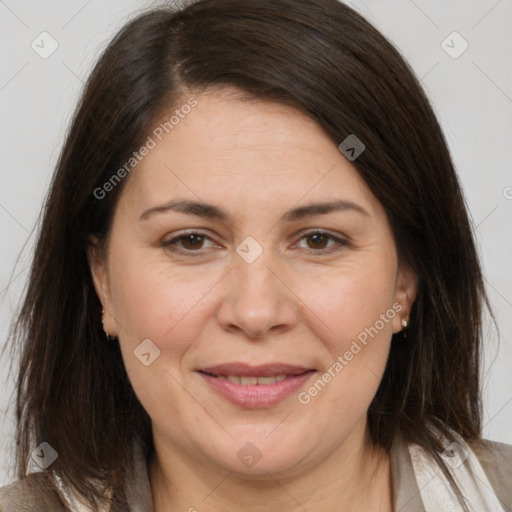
(471, 94)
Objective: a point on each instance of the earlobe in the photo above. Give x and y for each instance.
(406, 290)
(99, 274)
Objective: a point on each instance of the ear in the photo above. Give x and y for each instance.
(99, 273)
(406, 289)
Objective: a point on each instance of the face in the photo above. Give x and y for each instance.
(259, 326)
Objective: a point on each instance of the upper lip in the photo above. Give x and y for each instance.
(247, 370)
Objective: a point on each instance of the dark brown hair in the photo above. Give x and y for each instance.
(324, 59)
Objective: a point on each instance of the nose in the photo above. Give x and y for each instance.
(256, 300)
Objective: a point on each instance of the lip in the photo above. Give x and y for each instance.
(256, 396)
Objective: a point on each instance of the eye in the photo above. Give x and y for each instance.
(317, 242)
(190, 242)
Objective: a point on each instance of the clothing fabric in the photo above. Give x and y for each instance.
(435, 490)
(484, 474)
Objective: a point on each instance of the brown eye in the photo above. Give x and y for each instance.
(319, 241)
(187, 243)
(193, 241)
(322, 242)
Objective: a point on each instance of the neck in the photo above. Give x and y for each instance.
(355, 477)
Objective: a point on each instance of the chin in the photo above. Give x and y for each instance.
(260, 456)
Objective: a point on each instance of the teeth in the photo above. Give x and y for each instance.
(266, 380)
(251, 381)
(248, 381)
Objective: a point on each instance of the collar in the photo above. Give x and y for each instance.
(405, 490)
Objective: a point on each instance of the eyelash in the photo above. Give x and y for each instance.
(340, 243)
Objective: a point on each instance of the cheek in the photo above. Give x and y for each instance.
(153, 300)
(355, 306)
(358, 343)
(353, 299)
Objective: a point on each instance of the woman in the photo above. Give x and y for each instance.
(255, 285)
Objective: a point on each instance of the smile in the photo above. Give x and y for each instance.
(255, 387)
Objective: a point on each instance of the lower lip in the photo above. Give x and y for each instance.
(257, 396)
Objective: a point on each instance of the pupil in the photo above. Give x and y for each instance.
(317, 238)
(193, 239)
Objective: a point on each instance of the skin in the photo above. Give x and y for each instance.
(296, 303)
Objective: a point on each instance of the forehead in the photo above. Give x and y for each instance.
(247, 152)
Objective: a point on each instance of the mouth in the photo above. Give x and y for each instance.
(255, 386)
(263, 370)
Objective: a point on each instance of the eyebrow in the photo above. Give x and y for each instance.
(213, 212)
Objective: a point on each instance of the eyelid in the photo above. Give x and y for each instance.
(168, 244)
(340, 241)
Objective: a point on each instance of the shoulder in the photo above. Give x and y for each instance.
(494, 456)
(31, 494)
(496, 460)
